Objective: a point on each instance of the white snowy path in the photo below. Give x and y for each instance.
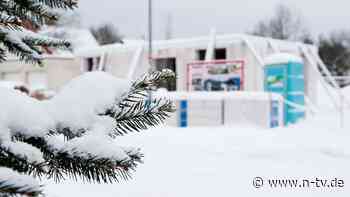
(222, 162)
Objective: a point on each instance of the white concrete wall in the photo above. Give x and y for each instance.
(205, 113)
(211, 109)
(186, 53)
(61, 70)
(57, 71)
(247, 112)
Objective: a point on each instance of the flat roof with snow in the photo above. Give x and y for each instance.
(198, 42)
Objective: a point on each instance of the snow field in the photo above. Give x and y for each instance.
(223, 161)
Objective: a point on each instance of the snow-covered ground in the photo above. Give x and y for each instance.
(223, 162)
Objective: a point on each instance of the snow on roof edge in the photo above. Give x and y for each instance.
(67, 56)
(11, 84)
(200, 41)
(278, 58)
(247, 95)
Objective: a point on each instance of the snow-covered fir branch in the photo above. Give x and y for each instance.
(71, 135)
(27, 45)
(13, 183)
(137, 109)
(17, 15)
(10, 21)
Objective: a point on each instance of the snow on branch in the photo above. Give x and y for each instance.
(27, 45)
(10, 160)
(13, 42)
(92, 158)
(10, 21)
(63, 4)
(23, 115)
(34, 11)
(74, 131)
(21, 156)
(137, 110)
(140, 115)
(12, 184)
(17, 15)
(24, 151)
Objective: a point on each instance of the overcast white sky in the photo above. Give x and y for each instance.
(196, 17)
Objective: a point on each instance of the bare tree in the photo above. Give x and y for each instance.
(285, 24)
(106, 34)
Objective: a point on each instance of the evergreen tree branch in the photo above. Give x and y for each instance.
(11, 22)
(38, 11)
(28, 11)
(135, 111)
(25, 44)
(144, 86)
(63, 4)
(10, 160)
(152, 80)
(46, 42)
(16, 40)
(92, 168)
(2, 54)
(13, 42)
(14, 184)
(142, 115)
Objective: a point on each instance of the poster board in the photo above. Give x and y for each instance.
(215, 76)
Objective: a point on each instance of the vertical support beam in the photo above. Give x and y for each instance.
(318, 74)
(343, 101)
(152, 67)
(311, 106)
(326, 71)
(260, 61)
(150, 36)
(135, 61)
(223, 110)
(339, 106)
(254, 52)
(102, 62)
(273, 46)
(211, 46)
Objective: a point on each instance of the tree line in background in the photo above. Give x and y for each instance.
(287, 24)
(106, 34)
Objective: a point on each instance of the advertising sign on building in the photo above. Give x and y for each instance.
(216, 76)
